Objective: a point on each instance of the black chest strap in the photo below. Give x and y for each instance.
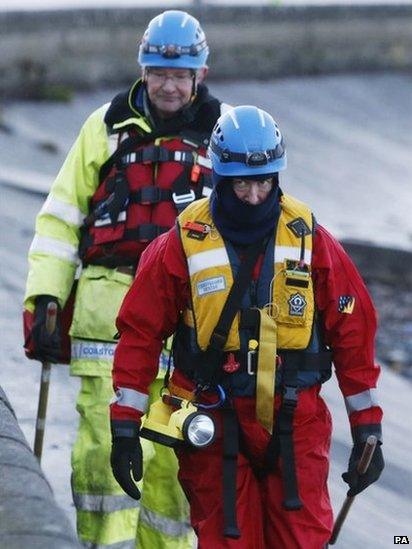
(291, 501)
(230, 454)
(281, 443)
(209, 371)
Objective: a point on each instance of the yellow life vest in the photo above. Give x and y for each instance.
(291, 302)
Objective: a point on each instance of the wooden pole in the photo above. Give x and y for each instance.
(51, 316)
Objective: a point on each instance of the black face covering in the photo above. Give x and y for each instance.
(238, 221)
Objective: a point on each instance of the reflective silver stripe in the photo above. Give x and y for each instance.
(105, 220)
(103, 503)
(112, 142)
(207, 191)
(210, 258)
(131, 398)
(291, 252)
(128, 544)
(362, 401)
(205, 162)
(66, 212)
(92, 350)
(164, 525)
(53, 246)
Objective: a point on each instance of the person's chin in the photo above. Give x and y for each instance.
(168, 108)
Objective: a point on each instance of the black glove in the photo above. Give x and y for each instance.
(358, 483)
(46, 347)
(126, 457)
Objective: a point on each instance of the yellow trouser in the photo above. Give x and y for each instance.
(106, 516)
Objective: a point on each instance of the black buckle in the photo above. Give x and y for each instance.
(217, 341)
(154, 153)
(290, 397)
(225, 155)
(149, 195)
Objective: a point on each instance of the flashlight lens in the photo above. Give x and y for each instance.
(200, 430)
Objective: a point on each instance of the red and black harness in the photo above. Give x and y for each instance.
(143, 185)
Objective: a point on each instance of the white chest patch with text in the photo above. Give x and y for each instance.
(211, 285)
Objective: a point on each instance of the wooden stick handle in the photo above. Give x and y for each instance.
(51, 317)
(367, 454)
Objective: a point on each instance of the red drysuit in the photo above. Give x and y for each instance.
(150, 313)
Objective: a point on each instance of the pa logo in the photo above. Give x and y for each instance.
(297, 304)
(401, 540)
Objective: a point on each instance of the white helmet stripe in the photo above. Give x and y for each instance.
(262, 117)
(185, 20)
(160, 23)
(232, 115)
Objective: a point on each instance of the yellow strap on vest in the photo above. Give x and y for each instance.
(266, 370)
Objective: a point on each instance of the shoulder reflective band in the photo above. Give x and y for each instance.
(209, 258)
(62, 210)
(291, 252)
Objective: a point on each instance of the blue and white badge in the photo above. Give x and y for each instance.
(297, 304)
(211, 285)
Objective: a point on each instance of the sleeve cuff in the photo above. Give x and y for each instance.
(360, 433)
(126, 429)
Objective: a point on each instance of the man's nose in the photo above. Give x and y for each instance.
(253, 195)
(169, 84)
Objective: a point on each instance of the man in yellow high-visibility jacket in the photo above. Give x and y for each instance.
(137, 162)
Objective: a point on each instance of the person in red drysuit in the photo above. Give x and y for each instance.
(319, 313)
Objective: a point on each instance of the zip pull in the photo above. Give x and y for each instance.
(195, 173)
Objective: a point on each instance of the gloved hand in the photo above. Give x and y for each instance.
(126, 458)
(46, 347)
(358, 483)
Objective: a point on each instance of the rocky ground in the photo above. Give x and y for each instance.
(394, 338)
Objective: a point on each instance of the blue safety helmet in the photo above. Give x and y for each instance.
(174, 39)
(246, 141)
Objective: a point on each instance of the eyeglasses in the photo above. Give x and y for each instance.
(179, 79)
(243, 185)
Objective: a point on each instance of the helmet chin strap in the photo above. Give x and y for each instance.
(194, 87)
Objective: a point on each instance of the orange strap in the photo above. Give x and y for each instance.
(175, 390)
